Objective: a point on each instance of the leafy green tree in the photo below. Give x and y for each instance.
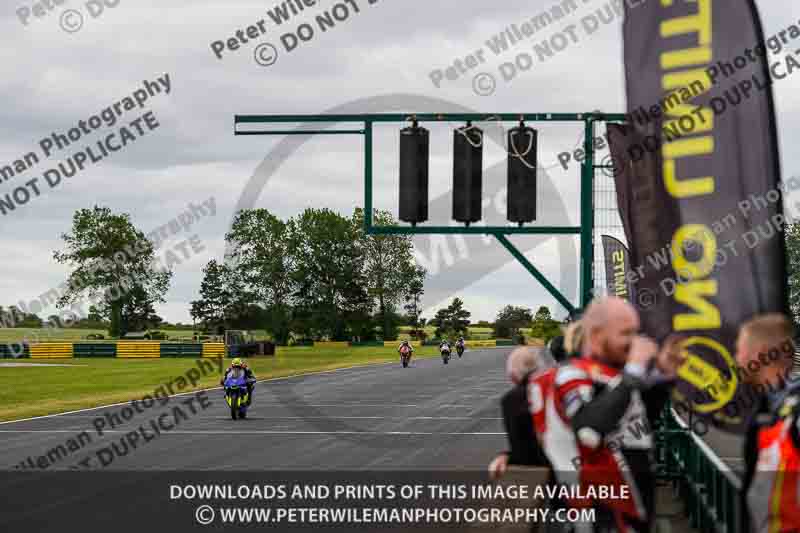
(510, 320)
(329, 274)
(451, 321)
(262, 257)
(216, 301)
(112, 263)
(413, 298)
(389, 267)
(138, 312)
(13, 317)
(544, 326)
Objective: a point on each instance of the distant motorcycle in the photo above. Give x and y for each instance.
(236, 394)
(460, 349)
(405, 355)
(445, 354)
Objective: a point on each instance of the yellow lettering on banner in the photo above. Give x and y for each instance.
(699, 23)
(685, 188)
(620, 284)
(704, 375)
(689, 148)
(673, 59)
(684, 147)
(706, 314)
(688, 132)
(694, 235)
(697, 83)
(697, 79)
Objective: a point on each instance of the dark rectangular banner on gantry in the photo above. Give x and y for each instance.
(698, 162)
(617, 268)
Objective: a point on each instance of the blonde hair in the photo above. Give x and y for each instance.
(573, 338)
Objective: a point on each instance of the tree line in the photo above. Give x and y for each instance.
(317, 275)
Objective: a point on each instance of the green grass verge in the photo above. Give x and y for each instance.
(67, 334)
(89, 382)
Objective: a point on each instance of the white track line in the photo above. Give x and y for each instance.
(195, 392)
(332, 417)
(262, 432)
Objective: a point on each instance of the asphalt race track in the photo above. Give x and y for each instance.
(427, 416)
(376, 417)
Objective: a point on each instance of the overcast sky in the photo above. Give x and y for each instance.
(379, 59)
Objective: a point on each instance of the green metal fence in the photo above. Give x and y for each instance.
(708, 487)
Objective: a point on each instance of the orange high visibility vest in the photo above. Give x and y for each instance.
(774, 495)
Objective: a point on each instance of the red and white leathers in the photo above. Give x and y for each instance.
(592, 423)
(773, 495)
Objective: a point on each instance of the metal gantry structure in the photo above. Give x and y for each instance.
(365, 124)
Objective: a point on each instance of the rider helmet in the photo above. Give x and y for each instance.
(237, 362)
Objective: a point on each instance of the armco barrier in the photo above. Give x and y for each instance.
(213, 349)
(181, 350)
(138, 349)
(87, 349)
(51, 350)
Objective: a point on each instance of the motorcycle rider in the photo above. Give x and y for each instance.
(406, 346)
(444, 346)
(249, 376)
(460, 342)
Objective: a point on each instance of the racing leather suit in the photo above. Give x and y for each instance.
(249, 376)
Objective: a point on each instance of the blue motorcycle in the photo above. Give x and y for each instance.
(236, 393)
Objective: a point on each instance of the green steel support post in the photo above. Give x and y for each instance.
(368, 175)
(587, 214)
(535, 272)
(586, 229)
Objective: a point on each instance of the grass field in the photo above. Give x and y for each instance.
(89, 382)
(74, 334)
(65, 334)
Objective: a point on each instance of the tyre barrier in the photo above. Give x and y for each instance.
(121, 349)
(105, 349)
(138, 349)
(213, 349)
(52, 350)
(15, 350)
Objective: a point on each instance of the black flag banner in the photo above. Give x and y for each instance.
(617, 267)
(698, 180)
